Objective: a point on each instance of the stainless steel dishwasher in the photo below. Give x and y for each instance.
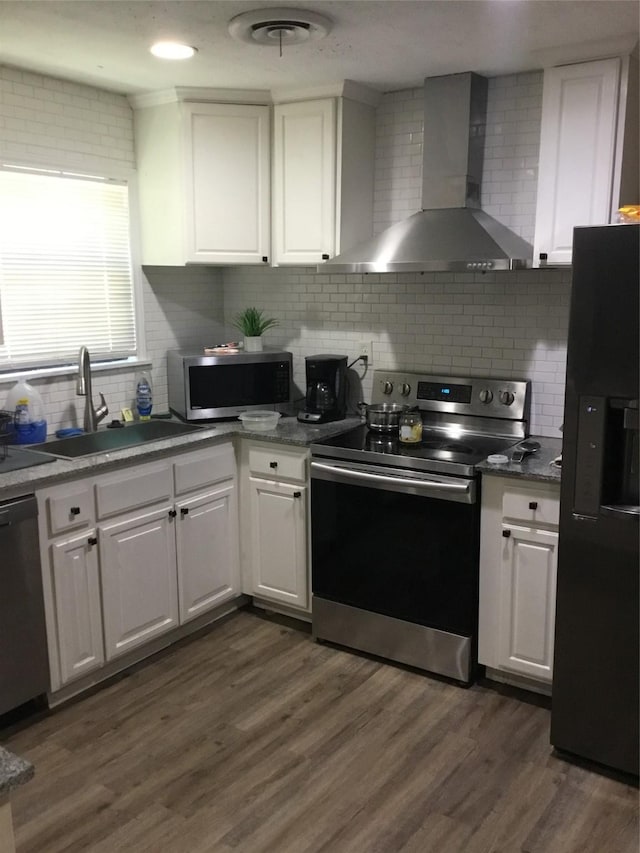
(24, 667)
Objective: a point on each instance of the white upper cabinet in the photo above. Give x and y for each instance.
(227, 163)
(585, 148)
(323, 172)
(206, 192)
(203, 183)
(304, 181)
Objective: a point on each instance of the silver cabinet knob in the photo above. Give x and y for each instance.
(387, 388)
(406, 389)
(486, 396)
(507, 397)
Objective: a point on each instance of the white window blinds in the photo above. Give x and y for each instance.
(65, 268)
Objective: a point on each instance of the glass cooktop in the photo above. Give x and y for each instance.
(439, 450)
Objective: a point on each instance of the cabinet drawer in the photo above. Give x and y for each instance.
(204, 468)
(134, 488)
(532, 506)
(69, 508)
(277, 464)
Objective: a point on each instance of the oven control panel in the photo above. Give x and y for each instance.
(478, 396)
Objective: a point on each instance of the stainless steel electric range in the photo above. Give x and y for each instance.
(395, 527)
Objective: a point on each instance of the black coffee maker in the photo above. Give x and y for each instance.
(326, 395)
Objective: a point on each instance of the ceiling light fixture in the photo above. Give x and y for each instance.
(172, 50)
(279, 27)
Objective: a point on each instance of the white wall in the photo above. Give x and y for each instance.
(512, 324)
(505, 324)
(45, 121)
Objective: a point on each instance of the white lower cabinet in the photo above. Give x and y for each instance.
(518, 561)
(527, 601)
(274, 523)
(279, 542)
(74, 583)
(130, 555)
(207, 550)
(138, 570)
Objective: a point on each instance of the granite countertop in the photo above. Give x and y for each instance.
(14, 771)
(291, 431)
(537, 466)
(288, 431)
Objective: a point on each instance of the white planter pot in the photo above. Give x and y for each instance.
(253, 344)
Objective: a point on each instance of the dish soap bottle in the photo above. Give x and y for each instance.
(29, 424)
(144, 396)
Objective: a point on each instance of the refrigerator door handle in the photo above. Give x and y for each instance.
(630, 418)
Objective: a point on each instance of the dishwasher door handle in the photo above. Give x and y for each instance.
(18, 509)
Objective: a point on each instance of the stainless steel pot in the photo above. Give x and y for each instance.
(383, 417)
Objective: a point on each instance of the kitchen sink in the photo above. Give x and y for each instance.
(115, 439)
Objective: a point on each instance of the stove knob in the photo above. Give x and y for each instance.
(406, 389)
(486, 396)
(387, 387)
(507, 397)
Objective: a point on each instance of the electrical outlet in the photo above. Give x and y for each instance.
(366, 351)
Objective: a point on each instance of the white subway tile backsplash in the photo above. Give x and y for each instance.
(513, 324)
(510, 324)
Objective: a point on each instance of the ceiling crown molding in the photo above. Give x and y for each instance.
(197, 94)
(342, 89)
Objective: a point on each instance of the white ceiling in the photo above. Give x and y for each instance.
(385, 44)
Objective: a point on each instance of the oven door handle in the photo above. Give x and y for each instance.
(463, 491)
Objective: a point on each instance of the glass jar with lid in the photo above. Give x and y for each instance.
(411, 427)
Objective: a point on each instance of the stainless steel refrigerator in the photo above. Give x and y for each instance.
(595, 681)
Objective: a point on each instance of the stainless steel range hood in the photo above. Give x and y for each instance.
(451, 232)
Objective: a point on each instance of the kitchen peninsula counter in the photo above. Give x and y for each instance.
(537, 466)
(14, 771)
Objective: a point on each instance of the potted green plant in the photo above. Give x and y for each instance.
(253, 324)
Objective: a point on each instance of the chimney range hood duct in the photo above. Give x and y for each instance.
(451, 233)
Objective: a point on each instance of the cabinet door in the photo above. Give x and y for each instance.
(227, 183)
(207, 548)
(577, 151)
(76, 597)
(279, 541)
(304, 182)
(528, 601)
(138, 570)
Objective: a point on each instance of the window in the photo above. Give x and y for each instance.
(65, 268)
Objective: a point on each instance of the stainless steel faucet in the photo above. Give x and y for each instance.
(92, 417)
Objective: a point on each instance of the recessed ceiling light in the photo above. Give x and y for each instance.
(172, 50)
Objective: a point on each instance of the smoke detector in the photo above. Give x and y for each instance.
(279, 27)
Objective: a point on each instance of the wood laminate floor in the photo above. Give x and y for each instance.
(253, 738)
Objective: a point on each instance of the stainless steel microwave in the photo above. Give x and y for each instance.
(214, 387)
